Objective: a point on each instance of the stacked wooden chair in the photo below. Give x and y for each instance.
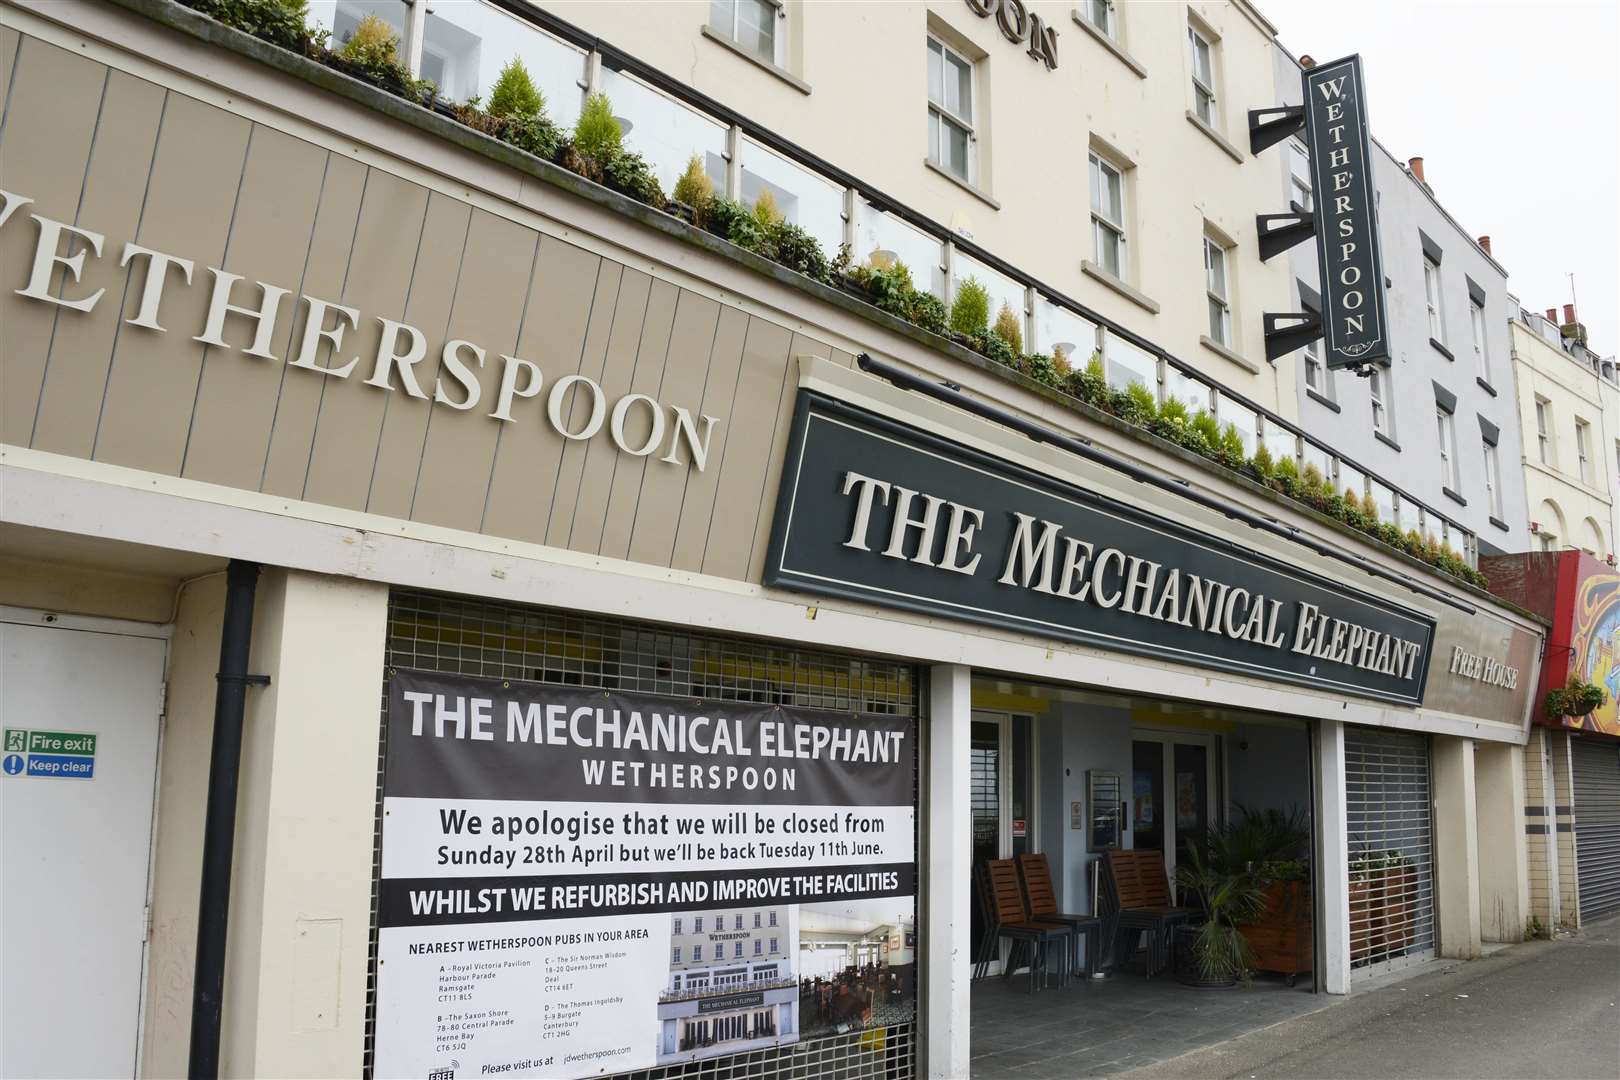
(1033, 940)
(1040, 899)
(1136, 901)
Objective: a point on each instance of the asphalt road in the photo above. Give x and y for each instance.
(1541, 1009)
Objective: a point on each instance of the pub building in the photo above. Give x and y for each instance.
(434, 582)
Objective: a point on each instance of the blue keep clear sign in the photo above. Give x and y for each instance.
(51, 754)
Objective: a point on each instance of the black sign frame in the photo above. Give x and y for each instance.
(884, 582)
(1341, 172)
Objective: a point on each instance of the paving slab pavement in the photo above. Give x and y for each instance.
(1541, 1009)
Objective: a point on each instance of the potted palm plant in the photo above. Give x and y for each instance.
(1216, 953)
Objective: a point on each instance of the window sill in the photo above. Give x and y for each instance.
(1216, 137)
(1226, 353)
(1442, 350)
(1500, 524)
(764, 65)
(977, 193)
(1325, 402)
(1387, 441)
(1141, 300)
(1110, 44)
(1454, 497)
(1485, 386)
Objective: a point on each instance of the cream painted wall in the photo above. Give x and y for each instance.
(866, 112)
(295, 990)
(188, 726)
(79, 590)
(1504, 873)
(1585, 517)
(1456, 848)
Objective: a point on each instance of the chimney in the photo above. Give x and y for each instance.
(1552, 315)
(1485, 243)
(1307, 61)
(1416, 165)
(1569, 314)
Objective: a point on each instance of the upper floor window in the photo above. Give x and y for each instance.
(1583, 447)
(756, 920)
(751, 24)
(759, 946)
(1544, 443)
(1299, 177)
(1493, 479)
(950, 110)
(1101, 14)
(1108, 214)
(773, 940)
(1315, 374)
(697, 925)
(1202, 52)
(675, 953)
(677, 928)
(719, 950)
(1217, 284)
(1446, 430)
(1431, 294)
(1476, 326)
(736, 948)
(773, 923)
(1378, 392)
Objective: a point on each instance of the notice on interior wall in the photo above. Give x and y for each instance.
(576, 883)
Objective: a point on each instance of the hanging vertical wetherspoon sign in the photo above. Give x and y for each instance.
(1354, 321)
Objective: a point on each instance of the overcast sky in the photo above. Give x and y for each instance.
(1515, 109)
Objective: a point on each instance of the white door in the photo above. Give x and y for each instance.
(80, 708)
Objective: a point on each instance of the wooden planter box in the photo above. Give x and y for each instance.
(1383, 912)
(1281, 938)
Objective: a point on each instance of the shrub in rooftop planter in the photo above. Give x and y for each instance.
(372, 54)
(1206, 425)
(1006, 327)
(1231, 451)
(994, 346)
(695, 188)
(766, 213)
(1262, 464)
(798, 250)
(927, 311)
(515, 96)
(970, 311)
(1041, 368)
(280, 22)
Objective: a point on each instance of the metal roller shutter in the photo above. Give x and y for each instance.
(435, 632)
(1596, 767)
(1391, 836)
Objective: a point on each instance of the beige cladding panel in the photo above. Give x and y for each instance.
(1484, 636)
(459, 447)
(596, 474)
(682, 380)
(190, 199)
(10, 40)
(44, 151)
(573, 411)
(719, 392)
(441, 257)
(326, 268)
(557, 314)
(236, 399)
(623, 491)
(114, 193)
(777, 458)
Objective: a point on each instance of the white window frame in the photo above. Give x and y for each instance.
(1377, 394)
(1544, 443)
(946, 116)
(778, 13)
(1476, 323)
(1446, 429)
(1583, 450)
(1098, 168)
(1431, 296)
(1222, 298)
(1109, 26)
(1204, 95)
(1299, 181)
(1315, 373)
(1493, 479)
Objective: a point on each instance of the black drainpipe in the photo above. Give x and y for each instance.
(219, 827)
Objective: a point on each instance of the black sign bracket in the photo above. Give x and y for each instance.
(1268, 127)
(1279, 232)
(1290, 330)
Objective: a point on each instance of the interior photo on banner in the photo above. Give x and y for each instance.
(581, 882)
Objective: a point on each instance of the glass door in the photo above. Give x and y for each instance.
(1001, 797)
(1172, 791)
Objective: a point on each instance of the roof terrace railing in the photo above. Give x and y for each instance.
(668, 122)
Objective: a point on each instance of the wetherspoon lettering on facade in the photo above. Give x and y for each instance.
(1020, 26)
(1347, 245)
(874, 510)
(638, 424)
